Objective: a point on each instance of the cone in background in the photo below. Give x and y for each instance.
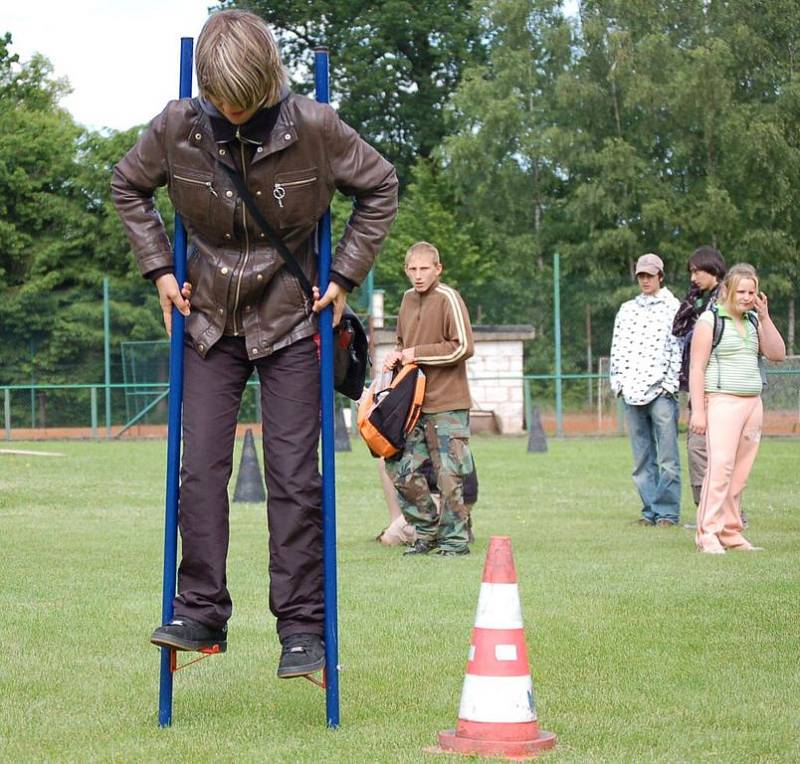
(249, 483)
(497, 716)
(537, 443)
(341, 440)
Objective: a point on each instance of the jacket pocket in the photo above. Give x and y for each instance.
(192, 192)
(296, 297)
(294, 196)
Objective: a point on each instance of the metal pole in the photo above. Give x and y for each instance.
(93, 399)
(557, 339)
(369, 287)
(107, 354)
(257, 394)
(328, 467)
(174, 428)
(7, 412)
(33, 387)
(526, 389)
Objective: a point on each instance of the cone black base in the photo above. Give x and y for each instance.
(249, 482)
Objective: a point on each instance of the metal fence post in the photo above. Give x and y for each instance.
(107, 354)
(526, 388)
(257, 393)
(93, 399)
(7, 411)
(557, 340)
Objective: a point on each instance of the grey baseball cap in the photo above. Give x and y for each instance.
(649, 263)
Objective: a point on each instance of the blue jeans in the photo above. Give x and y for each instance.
(653, 430)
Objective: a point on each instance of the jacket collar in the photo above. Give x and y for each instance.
(256, 131)
(281, 135)
(663, 295)
(722, 311)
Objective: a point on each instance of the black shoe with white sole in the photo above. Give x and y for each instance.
(302, 654)
(183, 633)
(420, 546)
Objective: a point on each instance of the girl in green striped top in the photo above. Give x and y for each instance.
(725, 390)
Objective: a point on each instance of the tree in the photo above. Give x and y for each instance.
(500, 158)
(394, 64)
(59, 236)
(426, 214)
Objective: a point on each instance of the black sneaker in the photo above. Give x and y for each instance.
(420, 546)
(453, 552)
(183, 633)
(302, 654)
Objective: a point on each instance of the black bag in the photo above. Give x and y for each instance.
(350, 346)
(350, 356)
(390, 410)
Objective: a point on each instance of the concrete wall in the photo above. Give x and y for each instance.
(495, 374)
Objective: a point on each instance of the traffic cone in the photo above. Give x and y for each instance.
(537, 442)
(249, 483)
(497, 716)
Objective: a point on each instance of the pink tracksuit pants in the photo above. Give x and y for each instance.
(733, 433)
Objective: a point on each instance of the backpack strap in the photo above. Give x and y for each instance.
(716, 337)
(719, 327)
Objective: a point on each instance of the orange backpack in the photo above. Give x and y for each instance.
(390, 409)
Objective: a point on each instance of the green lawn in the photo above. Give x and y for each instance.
(640, 648)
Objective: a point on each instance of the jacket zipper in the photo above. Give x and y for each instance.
(206, 183)
(246, 248)
(279, 190)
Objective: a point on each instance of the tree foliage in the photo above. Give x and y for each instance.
(394, 64)
(649, 126)
(640, 125)
(59, 236)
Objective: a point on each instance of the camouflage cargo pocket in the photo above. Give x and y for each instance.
(452, 431)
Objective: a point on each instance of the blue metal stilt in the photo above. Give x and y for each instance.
(174, 428)
(328, 437)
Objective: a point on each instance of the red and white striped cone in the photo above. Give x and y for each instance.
(497, 716)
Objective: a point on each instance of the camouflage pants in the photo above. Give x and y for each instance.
(444, 439)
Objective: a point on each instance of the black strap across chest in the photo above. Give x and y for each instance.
(277, 242)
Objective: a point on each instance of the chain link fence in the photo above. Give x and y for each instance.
(781, 399)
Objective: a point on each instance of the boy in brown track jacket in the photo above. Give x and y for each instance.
(434, 331)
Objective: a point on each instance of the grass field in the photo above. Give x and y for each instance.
(640, 648)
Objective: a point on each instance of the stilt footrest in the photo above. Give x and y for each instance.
(205, 652)
(323, 683)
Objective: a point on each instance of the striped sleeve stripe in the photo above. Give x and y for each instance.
(461, 331)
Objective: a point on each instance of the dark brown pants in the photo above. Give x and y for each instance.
(213, 390)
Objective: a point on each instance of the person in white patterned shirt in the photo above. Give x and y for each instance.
(644, 368)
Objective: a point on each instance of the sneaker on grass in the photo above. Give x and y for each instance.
(183, 633)
(302, 654)
(460, 552)
(420, 546)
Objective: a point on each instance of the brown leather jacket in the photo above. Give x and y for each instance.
(238, 283)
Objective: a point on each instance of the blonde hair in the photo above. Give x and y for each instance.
(423, 248)
(238, 61)
(735, 274)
